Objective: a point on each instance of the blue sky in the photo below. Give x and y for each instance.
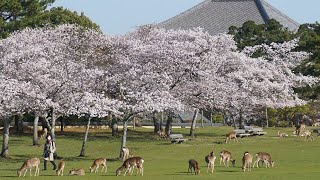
(121, 16)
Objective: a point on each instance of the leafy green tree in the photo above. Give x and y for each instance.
(250, 33)
(309, 35)
(18, 14)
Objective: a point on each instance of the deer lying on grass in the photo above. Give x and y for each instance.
(307, 135)
(125, 153)
(60, 168)
(247, 161)
(44, 133)
(210, 159)
(193, 164)
(264, 157)
(162, 135)
(77, 172)
(129, 164)
(97, 163)
(28, 165)
(231, 135)
(282, 134)
(225, 157)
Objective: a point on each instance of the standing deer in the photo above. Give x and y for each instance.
(28, 165)
(77, 172)
(231, 135)
(129, 164)
(300, 129)
(60, 168)
(210, 159)
(225, 157)
(99, 162)
(247, 161)
(193, 164)
(44, 133)
(307, 135)
(265, 157)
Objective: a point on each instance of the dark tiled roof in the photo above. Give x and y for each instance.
(216, 16)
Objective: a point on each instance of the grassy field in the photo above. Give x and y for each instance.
(294, 158)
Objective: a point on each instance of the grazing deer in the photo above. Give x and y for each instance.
(225, 157)
(125, 153)
(60, 168)
(28, 165)
(307, 135)
(282, 134)
(210, 159)
(264, 157)
(129, 164)
(231, 135)
(77, 172)
(193, 164)
(247, 161)
(99, 162)
(44, 133)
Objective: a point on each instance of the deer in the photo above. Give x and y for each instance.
(129, 164)
(28, 165)
(247, 161)
(60, 168)
(300, 129)
(77, 172)
(265, 157)
(44, 133)
(99, 162)
(307, 135)
(125, 153)
(225, 156)
(162, 135)
(193, 164)
(231, 135)
(210, 159)
(282, 134)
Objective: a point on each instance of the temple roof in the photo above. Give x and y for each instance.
(216, 16)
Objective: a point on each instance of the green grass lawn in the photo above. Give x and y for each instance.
(294, 158)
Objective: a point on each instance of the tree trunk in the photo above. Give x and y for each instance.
(53, 125)
(62, 124)
(211, 118)
(168, 128)
(202, 119)
(267, 121)
(114, 126)
(156, 123)
(124, 138)
(234, 122)
(240, 120)
(83, 149)
(5, 143)
(19, 124)
(35, 130)
(194, 121)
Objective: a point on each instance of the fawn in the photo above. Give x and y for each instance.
(193, 164)
(129, 165)
(60, 168)
(210, 159)
(77, 172)
(97, 163)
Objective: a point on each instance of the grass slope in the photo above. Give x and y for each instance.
(294, 158)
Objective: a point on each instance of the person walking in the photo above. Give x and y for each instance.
(48, 153)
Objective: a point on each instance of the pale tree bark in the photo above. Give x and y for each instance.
(35, 130)
(5, 143)
(193, 124)
(83, 148)
(267, 121)
(53, 125)
(124, 138)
